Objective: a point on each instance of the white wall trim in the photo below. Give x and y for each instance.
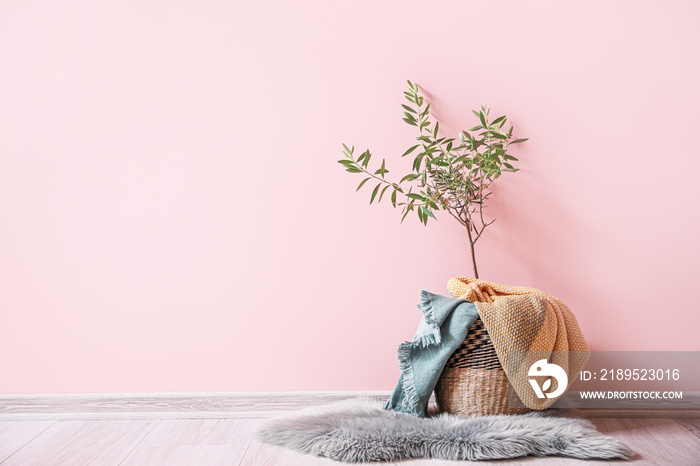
(247, 405)
(239, 405)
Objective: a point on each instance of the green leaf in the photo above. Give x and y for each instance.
(427, 211)
(437, 127)
(393, 198)
(409, 109)
(498, 120)
(366, 161)
(417, 162)
(476, 128)
(409, 177)
(410, 150)
(374, 193)
(518, 141)
(382, 170)
(348, 151)
(353, 170)
(362, 183)
(412, 123)
(382, 193)
(481, 117)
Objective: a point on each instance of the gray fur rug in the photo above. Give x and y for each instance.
(362, 431)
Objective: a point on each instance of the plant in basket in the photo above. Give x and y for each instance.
(450, 174)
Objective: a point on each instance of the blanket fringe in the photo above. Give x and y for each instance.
(411, 399)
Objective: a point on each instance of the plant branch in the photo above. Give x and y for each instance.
(445, 177)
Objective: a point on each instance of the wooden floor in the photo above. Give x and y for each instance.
(227, 440)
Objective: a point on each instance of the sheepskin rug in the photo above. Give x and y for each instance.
(362, 431)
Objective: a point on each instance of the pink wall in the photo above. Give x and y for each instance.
(173, 218)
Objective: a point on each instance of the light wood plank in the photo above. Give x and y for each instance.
(656, 441)
(633, 413)
(188, 455)
(260, 454)
(16, 434)
(691, 425)
(100, 443)
(208, 442)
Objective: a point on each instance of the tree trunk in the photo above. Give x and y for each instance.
(471, 249)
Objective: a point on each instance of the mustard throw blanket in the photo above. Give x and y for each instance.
(526, 325)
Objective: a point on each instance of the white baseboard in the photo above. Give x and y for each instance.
(201, 405)
(252, 405)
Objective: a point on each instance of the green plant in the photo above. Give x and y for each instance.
(447, 174)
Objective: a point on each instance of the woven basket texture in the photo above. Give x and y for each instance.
(473, 382)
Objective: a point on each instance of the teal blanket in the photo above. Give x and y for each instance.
(443, 328)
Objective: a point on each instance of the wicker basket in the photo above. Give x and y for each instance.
(473, 382)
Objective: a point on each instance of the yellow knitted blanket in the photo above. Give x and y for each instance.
(527, 325)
